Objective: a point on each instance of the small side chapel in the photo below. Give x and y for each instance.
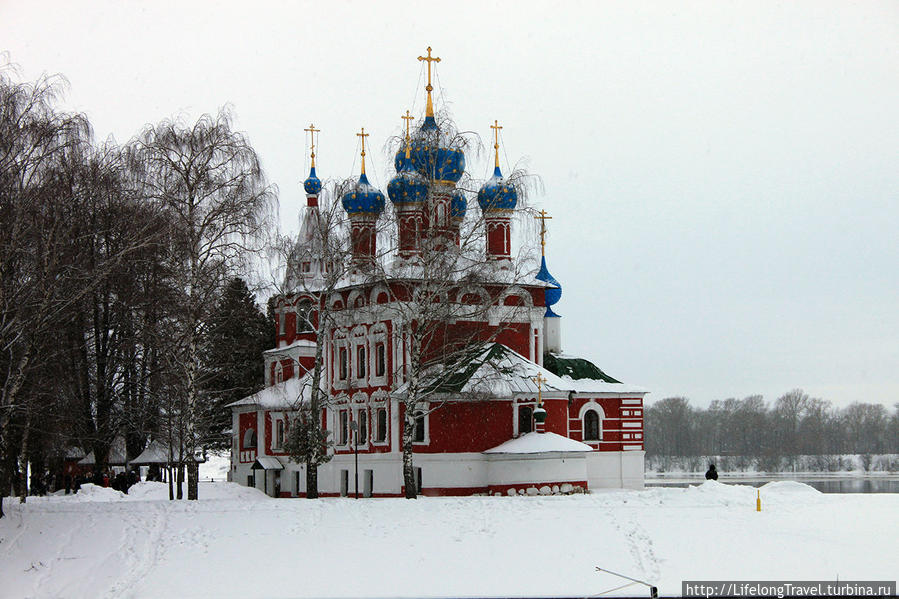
(518, 417)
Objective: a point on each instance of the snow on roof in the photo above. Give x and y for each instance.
(499, 371)
(267, 463)
(284, 395)
(157, 452)
(74, 452)
(116, 456)
(596, 386)
(540, 443)
(297, 343)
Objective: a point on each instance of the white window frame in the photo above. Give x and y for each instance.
(304, 308)
(360, 414)
(339, 342)
(377, 334)
(427, 426)
(343, 430)
(528, 403)
(278, 421)
(343, 364)
(360, 366)
(375, 410)
(594, 406)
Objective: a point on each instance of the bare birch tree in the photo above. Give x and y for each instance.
(208, 180)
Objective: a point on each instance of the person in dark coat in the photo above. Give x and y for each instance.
(711, 474)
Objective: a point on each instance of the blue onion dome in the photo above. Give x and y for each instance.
(407, 187)
(312, 184)
(431, 158)
(363, 198)
(497, 194)
(553, 292)
(458, 205)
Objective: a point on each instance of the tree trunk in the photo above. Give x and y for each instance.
(180, 481)
(315, 405)
(168, 477)
(193, 479)
(311, 456)
(23, 460)
(408, 470)
(5, 484)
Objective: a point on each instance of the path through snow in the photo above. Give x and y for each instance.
(235, 542)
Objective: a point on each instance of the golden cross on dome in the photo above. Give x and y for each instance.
(541, 216)
(312, 131)
(539, 380)
(496, 127)
(408, 118)
(363, 135)
(429, 88)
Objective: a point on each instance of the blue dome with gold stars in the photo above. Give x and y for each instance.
(429, 158)
(312, 184)
(363, 198)
(497, 194)
(407, 187)
(458, 205)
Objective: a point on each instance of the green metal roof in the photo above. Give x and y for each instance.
(576, 368)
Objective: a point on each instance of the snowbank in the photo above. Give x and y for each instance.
(787, 487)
(144, 546)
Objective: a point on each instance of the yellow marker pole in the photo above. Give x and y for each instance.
(758, 500)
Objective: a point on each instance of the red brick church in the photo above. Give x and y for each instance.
(513, 416)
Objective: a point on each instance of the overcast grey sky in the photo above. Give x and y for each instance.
(722, 176)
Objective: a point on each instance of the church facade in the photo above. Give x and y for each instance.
(501, 409)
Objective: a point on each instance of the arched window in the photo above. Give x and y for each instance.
(591, 425)
(381, 433)
(249, 439)
(304, 317)
(525, 419)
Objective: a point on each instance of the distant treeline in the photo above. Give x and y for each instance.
(866, 462)
(795, 425)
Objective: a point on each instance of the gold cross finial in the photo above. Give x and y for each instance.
(363, 135)
(496, 127)
(430, 108)
(539, 380)
(408, 118)
(541, 216)
(312, 131)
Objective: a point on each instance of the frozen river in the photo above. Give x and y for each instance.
(824, 482)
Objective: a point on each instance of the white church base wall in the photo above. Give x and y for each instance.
(536, 469)
(381, 475)
(615, 469)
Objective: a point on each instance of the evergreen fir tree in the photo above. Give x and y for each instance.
(236, 337)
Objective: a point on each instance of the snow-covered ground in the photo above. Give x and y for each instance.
(236, 542)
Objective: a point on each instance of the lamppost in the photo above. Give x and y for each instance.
(354, 426)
